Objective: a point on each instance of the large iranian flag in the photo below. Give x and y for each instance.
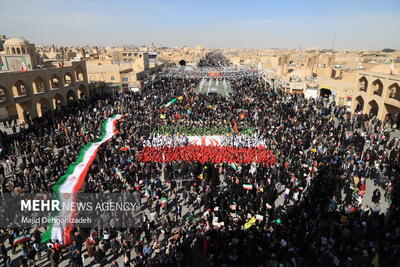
(71, 182)
(213, 149)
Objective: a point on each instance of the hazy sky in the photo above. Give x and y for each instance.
(358, 24)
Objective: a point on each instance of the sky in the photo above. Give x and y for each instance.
(357, 24)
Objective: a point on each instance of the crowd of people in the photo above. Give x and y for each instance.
(204, 154)
(201, 212)
(176, 140)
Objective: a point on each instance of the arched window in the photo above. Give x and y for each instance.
(18, 51)
(79, 73)
(82, 92)
(19, 88)
(394, 91)
(360, 104)
(373, 108)
(112, 78)
(43, 107)
(67, 79)
(378, 87)
(58, 101)
(363, 84)
(71, 96)
(38, 85)
(55, 82)
(12, 50)
(3, 94)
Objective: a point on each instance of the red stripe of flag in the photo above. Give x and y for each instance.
(212, 154)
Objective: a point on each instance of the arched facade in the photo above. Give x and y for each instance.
(377, 94)
(34, 93)
(16, 46)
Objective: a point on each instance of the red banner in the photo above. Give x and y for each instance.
(208, 154)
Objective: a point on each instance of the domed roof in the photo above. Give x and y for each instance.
(199, 47)
(16, 41)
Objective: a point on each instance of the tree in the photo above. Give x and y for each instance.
(388, 50)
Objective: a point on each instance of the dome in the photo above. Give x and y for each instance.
(199, 47)
(15, 42)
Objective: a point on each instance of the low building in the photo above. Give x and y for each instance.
(139, 58)
(126, 75)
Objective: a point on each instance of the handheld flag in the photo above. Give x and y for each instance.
(248, 186)
(163, 201)
(250, 223)
(259, 217)
(21, 239)
(82, 131)
(147, 193)
(233, 166)
(235, 127)
(171, 102)
(118, 174)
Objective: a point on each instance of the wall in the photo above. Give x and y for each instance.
(33, 100)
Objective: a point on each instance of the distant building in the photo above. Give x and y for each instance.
(131, 56)
(127, 69)
(18, 55)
